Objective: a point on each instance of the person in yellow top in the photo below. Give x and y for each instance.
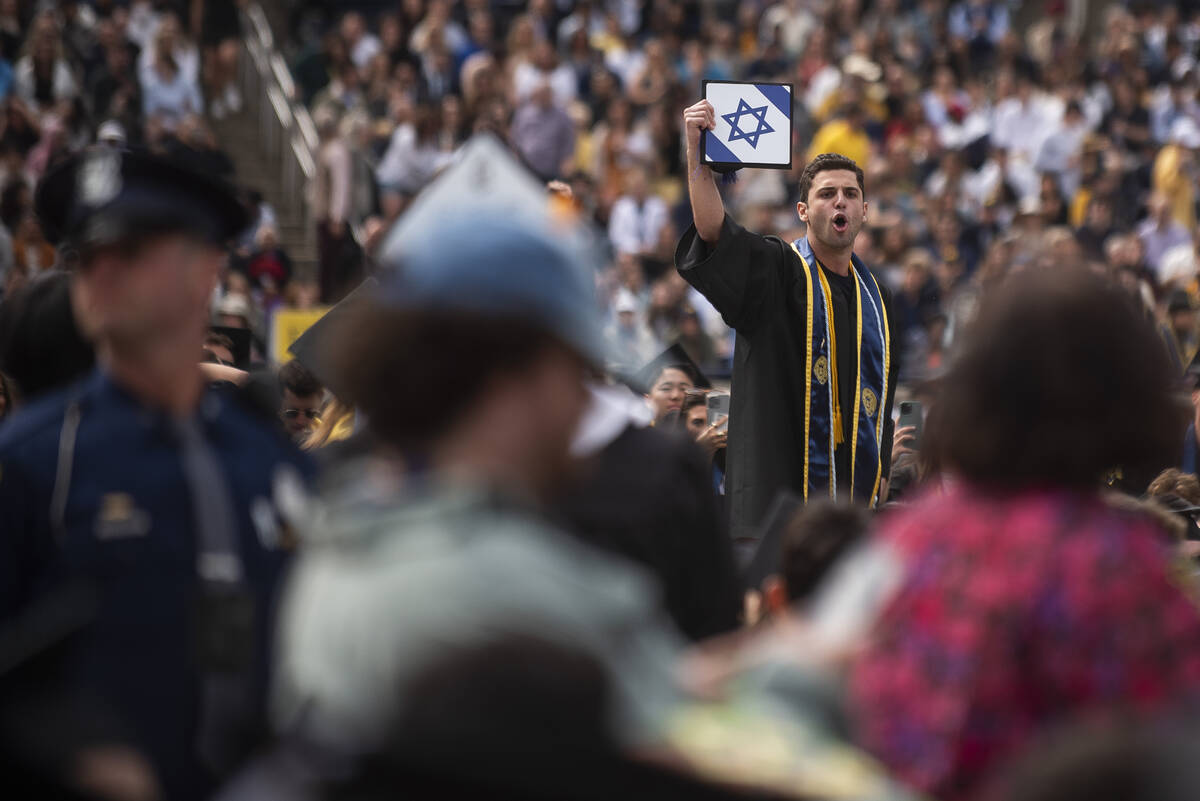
(843, 134)
(1174, 169)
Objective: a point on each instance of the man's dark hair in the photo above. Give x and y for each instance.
(829, 161)
(416, 373)
(1061, 379)
(298, 380)
(815, 539)
(41, 348)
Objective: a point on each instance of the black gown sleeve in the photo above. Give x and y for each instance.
(737, 275)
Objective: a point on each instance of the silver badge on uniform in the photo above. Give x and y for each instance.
(100, 177)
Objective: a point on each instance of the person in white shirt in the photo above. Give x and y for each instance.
(637, 217)
(544, 67)
(363, 45)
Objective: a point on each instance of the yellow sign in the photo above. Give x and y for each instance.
(286, 328)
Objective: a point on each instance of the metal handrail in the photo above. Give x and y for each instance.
(288, 136)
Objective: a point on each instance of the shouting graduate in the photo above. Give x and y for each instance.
(814, 367)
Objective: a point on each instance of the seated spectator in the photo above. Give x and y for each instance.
(169, 38)
(543, 134)
(269, 267)
(167, 93)
(220, 35)
(114, 90)
(302, 399)
(31, 252)
(627, 334)
(412, 157)
(544, 68)
(343, 93)
(43, 78)
(637, 216)
(1160, 232)
(361, 43)
(667, 380)
(195, 145)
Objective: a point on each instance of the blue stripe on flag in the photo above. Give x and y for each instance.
(779, 96)
(715, 150)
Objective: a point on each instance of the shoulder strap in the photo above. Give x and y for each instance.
(62, 471)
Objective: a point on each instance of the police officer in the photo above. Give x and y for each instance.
(161, 491)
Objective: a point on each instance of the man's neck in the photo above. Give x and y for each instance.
(835, 261)
(161, 377)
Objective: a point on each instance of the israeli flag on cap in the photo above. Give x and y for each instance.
(754, 125)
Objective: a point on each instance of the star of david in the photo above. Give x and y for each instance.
(744, 110)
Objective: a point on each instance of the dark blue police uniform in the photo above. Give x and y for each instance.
(92, 486)
(173, 520)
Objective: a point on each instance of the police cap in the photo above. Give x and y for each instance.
(104, 195)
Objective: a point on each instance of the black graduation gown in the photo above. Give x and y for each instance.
(648, 497)
(757, 284)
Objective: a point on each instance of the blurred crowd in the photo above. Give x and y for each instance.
(473, 537)
(981, 140)
(148, 75)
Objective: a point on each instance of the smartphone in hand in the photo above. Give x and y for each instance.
(911, 414)
(718, 407)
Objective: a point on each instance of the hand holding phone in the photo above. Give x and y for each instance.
(910, 425)
(717, 404)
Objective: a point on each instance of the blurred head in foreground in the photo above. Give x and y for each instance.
(1105, 764)
(473, 355)
(1061, 380)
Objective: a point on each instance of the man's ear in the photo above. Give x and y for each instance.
(802, 211)
(865, 208)
(775, 595)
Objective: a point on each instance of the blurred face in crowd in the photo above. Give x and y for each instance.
(668, 391)
(697, 420)
(835, 209)
(128, 296)
(300, 412)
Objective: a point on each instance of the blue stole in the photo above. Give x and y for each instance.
(873, 345)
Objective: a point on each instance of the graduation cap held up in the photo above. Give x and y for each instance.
(311, 348)
(676, 357)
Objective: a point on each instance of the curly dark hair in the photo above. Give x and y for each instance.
(829, 161)
(816, 538)
(415, 373)
(299, 380)
(1061, 379)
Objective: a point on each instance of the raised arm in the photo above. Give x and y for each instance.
(707, 209)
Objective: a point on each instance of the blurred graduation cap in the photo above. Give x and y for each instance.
(488, 179)
(311, 348)
(753, 126)
(767, 555)
(240, 337)
(676, 357)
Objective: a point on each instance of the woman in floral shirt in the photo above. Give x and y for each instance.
(1027, 600)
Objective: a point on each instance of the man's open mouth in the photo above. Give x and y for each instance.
(840, 223)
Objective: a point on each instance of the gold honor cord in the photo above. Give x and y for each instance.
(860, 290)
(887, 366)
